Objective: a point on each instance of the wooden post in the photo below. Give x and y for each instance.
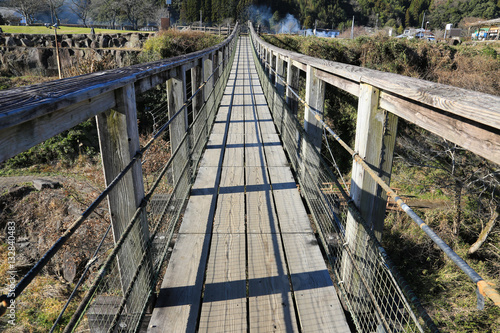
(315, 98)
(58, 56)
(176, 94)
(375, 140)
(271, 67)
(280, 70)
(207, 90)
(119, 142)
(292, 80)
(196, 81)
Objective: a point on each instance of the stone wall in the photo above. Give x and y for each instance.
(22, 54)
(128, 40)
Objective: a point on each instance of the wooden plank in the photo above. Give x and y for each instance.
(230, 215)
(21, 137)
(235, 150)
(271, 306)
(178, 303)
(267, 127)
(289, 206)
(470, 135)
(254, 151)
(261, 217)
(200, 209)
(224, 301)
(213, 151)
(236, 128)
(318, 306)
(275, 155)
(339, 82)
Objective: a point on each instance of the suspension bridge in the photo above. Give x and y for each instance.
(239, 230)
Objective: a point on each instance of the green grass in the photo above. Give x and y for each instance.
(41, 30)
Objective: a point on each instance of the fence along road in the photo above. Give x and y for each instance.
(246, 244)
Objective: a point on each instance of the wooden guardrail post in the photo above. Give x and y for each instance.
(272, 66)
(280, 71)
(375, 141)
(119, 142)
(176, 95)
(209, 86)
(315, 99)
(292, 80)
(196, 81)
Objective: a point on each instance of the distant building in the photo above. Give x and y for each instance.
(417, 33)
(485, 30)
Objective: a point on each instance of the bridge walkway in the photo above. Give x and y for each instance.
(246, 258)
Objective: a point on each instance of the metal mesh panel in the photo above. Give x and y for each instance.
(367, 285)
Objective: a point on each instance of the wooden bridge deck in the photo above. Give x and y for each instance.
(246, 258)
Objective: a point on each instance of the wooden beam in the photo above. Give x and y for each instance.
(374, 142)
(176, 95)
(339, 82)
(315, 99)
(280, 70)
(292, 80)
(479, 139)
(119, 142)
(23, 136)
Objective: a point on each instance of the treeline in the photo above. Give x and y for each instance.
(109, 12)
(339, 13)
(321, 13)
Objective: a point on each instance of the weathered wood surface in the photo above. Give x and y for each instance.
(247, 280)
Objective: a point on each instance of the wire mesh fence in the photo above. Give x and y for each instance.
(367, 283)
(119, 296)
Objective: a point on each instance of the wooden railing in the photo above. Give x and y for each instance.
(220, 30)
(467, 118)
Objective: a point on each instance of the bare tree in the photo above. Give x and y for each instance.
(27, 8)
(137, 11)
(106, 11)
(82, 9)
(55, 7)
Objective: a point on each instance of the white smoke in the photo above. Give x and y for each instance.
(289, 25)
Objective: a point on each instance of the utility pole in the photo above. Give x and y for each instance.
(352, 28)
(201, 21)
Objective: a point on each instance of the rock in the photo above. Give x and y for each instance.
(40, 184)
(69, 267)
(19, 191)
(27, 42)
(10, 41)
